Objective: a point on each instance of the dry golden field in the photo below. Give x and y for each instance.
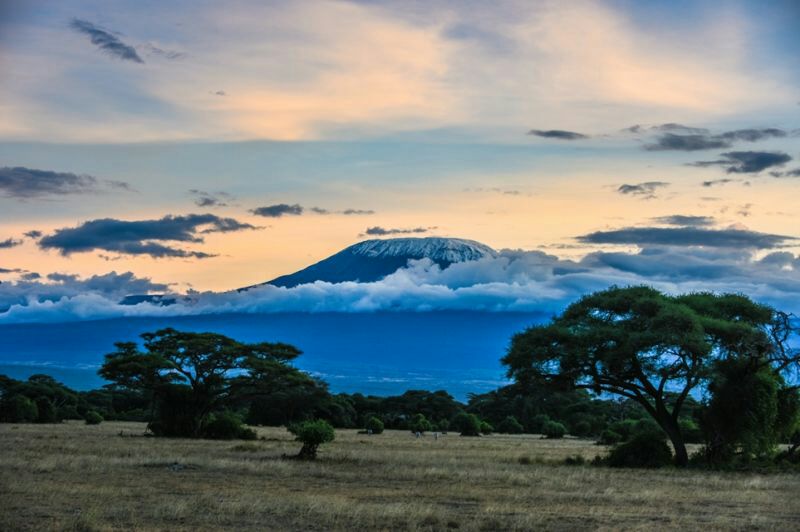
(108, 477)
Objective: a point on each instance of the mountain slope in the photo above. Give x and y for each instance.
(372, 260)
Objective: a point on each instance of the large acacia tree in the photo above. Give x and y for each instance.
(649, 347)
(190, 375)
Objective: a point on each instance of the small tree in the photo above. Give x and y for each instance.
(93, 418)
(554, 430)
(645, 449)
(46, 411)
(312, 434)
(510, 425)
(486, 428)
(374, 425)
(467, 424)
(419, 423)
(18, 409)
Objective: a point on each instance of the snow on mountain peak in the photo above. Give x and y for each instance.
(447, 250)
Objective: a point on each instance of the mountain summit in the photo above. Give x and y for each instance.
(372, 260)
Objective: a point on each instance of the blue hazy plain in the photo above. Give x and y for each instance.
(379, 354)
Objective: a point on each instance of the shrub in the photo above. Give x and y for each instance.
(554, 430)
(609, 437)
(18, 409)
(538, 422)
(443, 425)
(581, 429)
(691, 431)
(46, 411)
(374, 425)
(645, 449)
(486, 428)
(312, 434)
(467, 424)
(576, 459)
(93, 418)
(419, 423)
(510, 425)
(227, 426)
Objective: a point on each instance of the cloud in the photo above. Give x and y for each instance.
(747, 162)
(276, 211)
(685, 221)
(647, 189)
(789, 173)
(680, 127)
(27, 183)
(210, 199)
(107, 42)
(143, 237)
(380, 231)
(357, 212)
(715, 182)
(557, 134)
(9, 243)
(60, 287)
(172, 55)
(33, 234)
(513, 280)
(753, 134)
(670, 141)
(687, 236)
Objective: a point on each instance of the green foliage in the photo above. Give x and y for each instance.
(227, 426)
(312, 434)
(419, 423)
(510, 425)
(554, 430)
(749, 412)
(581, 429)
(46, 412)
(486, 428)
(18, 409)
(187, 376)
(374, 425)
(93, 418)
(605, 343)
(647, 449)
(467, 424)
(609, 437)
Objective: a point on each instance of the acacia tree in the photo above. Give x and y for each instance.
(189, 375)
(649, 347)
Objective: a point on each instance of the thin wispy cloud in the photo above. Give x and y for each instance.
(557, 134)
(646, 190)
(106, 41)
(746, 162)
(27, 183)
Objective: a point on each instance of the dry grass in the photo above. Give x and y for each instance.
(77, 477)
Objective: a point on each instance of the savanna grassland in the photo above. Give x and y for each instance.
(109, 477)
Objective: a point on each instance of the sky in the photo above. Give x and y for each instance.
(204, 146)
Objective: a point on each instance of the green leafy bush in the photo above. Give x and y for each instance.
(18, 409)
(46, 411)
(312, 434)
(93, 418)
(510, 425)
(419, 423)
(645, 449)
(227, 426)
(554, 430)
(486, 428)
(374, 425)
(467, 424)
(609, 437)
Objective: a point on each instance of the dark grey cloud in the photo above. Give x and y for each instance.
(715, 182)
(276, 211)
(557, 134)
(789, 173)
(9, 270)
(33, 234)
(747, 162)
(26, 183)
(685, 221)
(646, 190)
(671, 141)
(106, 41)
(9, 243)
(143, 237)
(687, 236)
(210, 199)
(754, 134)
(30, 276)
(381, 231)
(220, 93)
(671, 126)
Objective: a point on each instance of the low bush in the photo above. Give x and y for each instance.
(554, 430)
(312, 434)
(609, 437)
(646, 449)
(467, 424)
(486, 428)
(93, 418)
(510, 425)
(374, 425)
(227, 426)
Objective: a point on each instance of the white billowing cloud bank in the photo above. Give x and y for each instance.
(529, 281)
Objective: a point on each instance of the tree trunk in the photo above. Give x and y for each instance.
(308, 452)
(676, 438)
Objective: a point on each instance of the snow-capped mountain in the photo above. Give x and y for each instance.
(372, 260)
